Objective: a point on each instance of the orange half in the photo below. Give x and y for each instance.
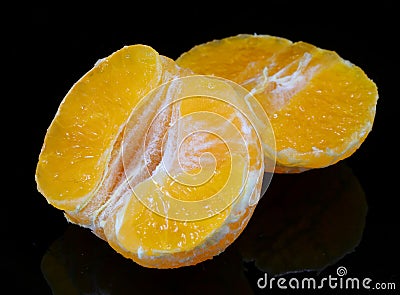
(321, 106)
(164, 165)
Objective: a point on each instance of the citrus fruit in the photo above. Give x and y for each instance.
(321, 106)
(164, 165)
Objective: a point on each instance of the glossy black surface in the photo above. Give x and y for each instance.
(55, 46)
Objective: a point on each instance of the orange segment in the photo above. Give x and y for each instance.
(88, 122)
(321, 106)
(202, 193)
(347, 101)
(164, 165)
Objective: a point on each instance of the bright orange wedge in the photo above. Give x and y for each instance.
(321, 106)
(164, 165)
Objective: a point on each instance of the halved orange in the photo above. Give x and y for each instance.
(321, 106)
(164, 165)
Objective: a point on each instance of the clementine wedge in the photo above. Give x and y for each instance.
(321, 106)
(164, 165)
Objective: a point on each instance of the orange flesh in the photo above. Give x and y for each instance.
(95, 166)
(87, 123)
(145, 232)
(321, 107)
(343, 115)
(100, 161)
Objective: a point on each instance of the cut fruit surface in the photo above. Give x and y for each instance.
(87, 123)
(164, 165)
(321, 106)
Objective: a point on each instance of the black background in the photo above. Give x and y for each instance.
(51, 47)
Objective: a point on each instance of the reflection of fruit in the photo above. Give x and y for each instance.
(306, 221)
(78, 263)
(321, 107)
(123, 157)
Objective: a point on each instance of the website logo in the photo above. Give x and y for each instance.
(340, 281)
